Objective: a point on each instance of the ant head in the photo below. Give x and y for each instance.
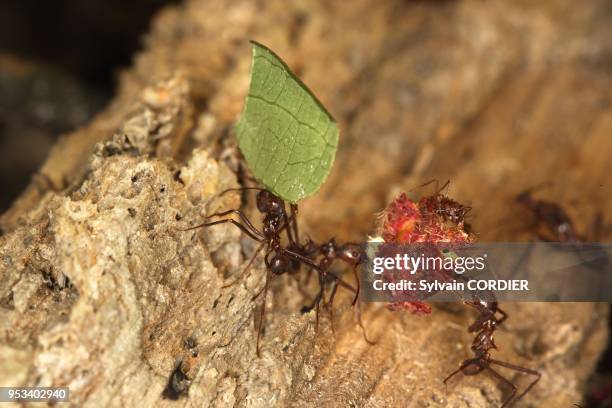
(351, 253)
(268, 203)
(279, 264)
(328, 249)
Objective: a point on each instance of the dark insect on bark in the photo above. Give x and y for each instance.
(552, 222)
(279, 259)
(483, 343)
(178, 384)
(445, 207)
(351, 254)
(486, 323)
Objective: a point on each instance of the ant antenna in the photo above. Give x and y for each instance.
(438, 189)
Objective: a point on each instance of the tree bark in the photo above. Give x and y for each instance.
(102, 289)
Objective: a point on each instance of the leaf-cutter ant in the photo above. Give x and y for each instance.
(351, 254)
(280, 259)
(488, 320)
(483, 343)
(552, 222)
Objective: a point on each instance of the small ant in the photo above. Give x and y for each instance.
(278, 259)
(444, 206)
(487, 322)
(351, 254)
(554, 224)
(552, 221)
(485, 326)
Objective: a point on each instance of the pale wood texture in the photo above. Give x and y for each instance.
(496, 96)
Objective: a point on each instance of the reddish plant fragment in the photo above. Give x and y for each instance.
(412, 307)
(433, 219)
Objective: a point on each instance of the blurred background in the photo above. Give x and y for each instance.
(58, 66)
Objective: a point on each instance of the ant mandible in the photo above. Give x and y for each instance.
(485, 326)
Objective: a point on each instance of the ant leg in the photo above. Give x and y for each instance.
(240, 189)
(267, 262)
(341, 282)
(291, 225)
(292, 240)
(246, 268)
(263, 311)
(485, 314)
(465, 364)
(356, 306)
(301, 258)
(315, 303)
(520, 369)
(294, 212)
(425, 184)
(333, 294)
(358, 285)
(304, 283)
(503, 318)
(318, 300)
(287, 224)
(505, 381)
(308, 309)
(314, 265)
(451, 375)
(357, 309)
(443, 186)
(329, 305)
(307, 276)
(234, 222)
(240, 214)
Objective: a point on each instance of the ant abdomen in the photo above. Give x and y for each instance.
(279, 265)
(472, 368)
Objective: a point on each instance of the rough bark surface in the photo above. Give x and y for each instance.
(103, 291)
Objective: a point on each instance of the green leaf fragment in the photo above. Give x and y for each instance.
(287, 137)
